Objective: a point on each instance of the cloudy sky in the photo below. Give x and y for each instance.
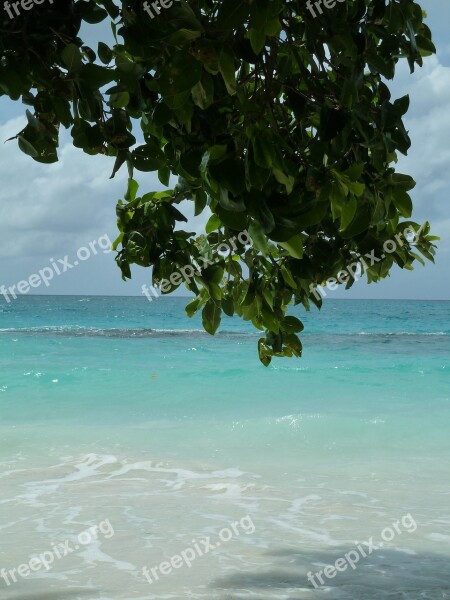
(50, 211)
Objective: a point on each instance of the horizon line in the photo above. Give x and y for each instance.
(191, 296)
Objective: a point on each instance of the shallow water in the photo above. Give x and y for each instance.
(116, 409)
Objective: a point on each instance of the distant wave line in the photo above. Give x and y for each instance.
(80, 331)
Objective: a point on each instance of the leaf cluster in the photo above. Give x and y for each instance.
(278, 123)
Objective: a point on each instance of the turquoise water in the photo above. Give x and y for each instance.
(123, 409)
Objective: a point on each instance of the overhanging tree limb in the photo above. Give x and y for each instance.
(277, 122)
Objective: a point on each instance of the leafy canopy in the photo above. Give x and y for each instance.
(277, 122)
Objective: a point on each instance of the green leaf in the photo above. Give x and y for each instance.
(257, 40)
(270, 320)
(96, 76)
(228, 204)
(119, 100)
(259, 238)
(354, 172)
(355, 187)
(338, 199)
(121, 158)
(117, 241)
(148, 158)
(232, 13)
(403, 182)
(180, 76)
(211, 317)
(228, 306)
(234, 220)
(287, 180)
(293, 342)
(360, 223)
(91, 12)
(264, 352)
(425, 45)
(217, 151)
(418, 258)
(132, 190)
(201, 200)
(164, 175)
(294, 246)
(268, 297)
(213, 224)
(203, 93)
(292, 324)
(32, 121)
(182, 36)
(193, 307)
(402, 202)
(227, 70)
(402, 104)
(287, 276)
(72, 58)
(213, 274)
(104, 53)
(348, 212)
(230, 174)
(27, 147)
(263, 151)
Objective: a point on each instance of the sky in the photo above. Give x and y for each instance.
(49, 212)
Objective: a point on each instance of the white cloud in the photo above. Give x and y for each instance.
(51, 210)
(48, 208)
(428, 159)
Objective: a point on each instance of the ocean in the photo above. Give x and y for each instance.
(123, 414)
